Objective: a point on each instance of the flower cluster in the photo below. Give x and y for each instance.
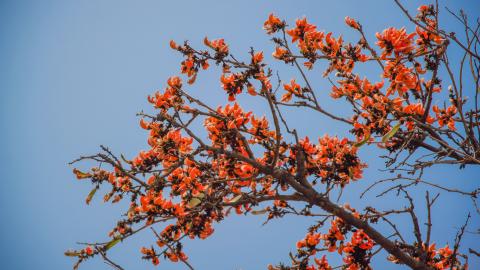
(445, 116)
(273, 24)
(437, 258)
(332, 160)
(395, 41)
(427, 37)
(356, 252)
(149, 254)
(293, 89)
(193, 62)
(169, 98)
(231, 119)
(192, 183)
(218, 45)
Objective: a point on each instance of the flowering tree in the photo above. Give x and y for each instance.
(259, 165)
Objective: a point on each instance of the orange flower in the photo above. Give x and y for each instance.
(273, 24)
(251, 90)
(292, 89)
(313, 239)
(423, 8)
(308, 65)
(302, 27)
(218, 45)
(416, 108)
(144, 124)
(280, 53)
(352, 23)
(174, 82)
(226, 80)
(89, 250)
(173, 45)
(396, 41)
(445, 116)
(232, 85)
(187, 67)
(205, 65)
(322, 263)
(402, 78)
(257, 58)
(81, 175)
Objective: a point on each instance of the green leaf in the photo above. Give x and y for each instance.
(234, 200)
(90, 195)
(194, 202)
(350, 173)
(71, 253)
(391, 133)
(358, 144)
(259, 212)
(112, 243)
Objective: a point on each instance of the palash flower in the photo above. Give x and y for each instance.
(273, 24)
(396, 41)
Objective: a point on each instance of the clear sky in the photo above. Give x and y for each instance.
(74, 73)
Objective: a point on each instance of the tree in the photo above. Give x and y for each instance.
(263, 166)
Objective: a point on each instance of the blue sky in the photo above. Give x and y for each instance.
(74, 73)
